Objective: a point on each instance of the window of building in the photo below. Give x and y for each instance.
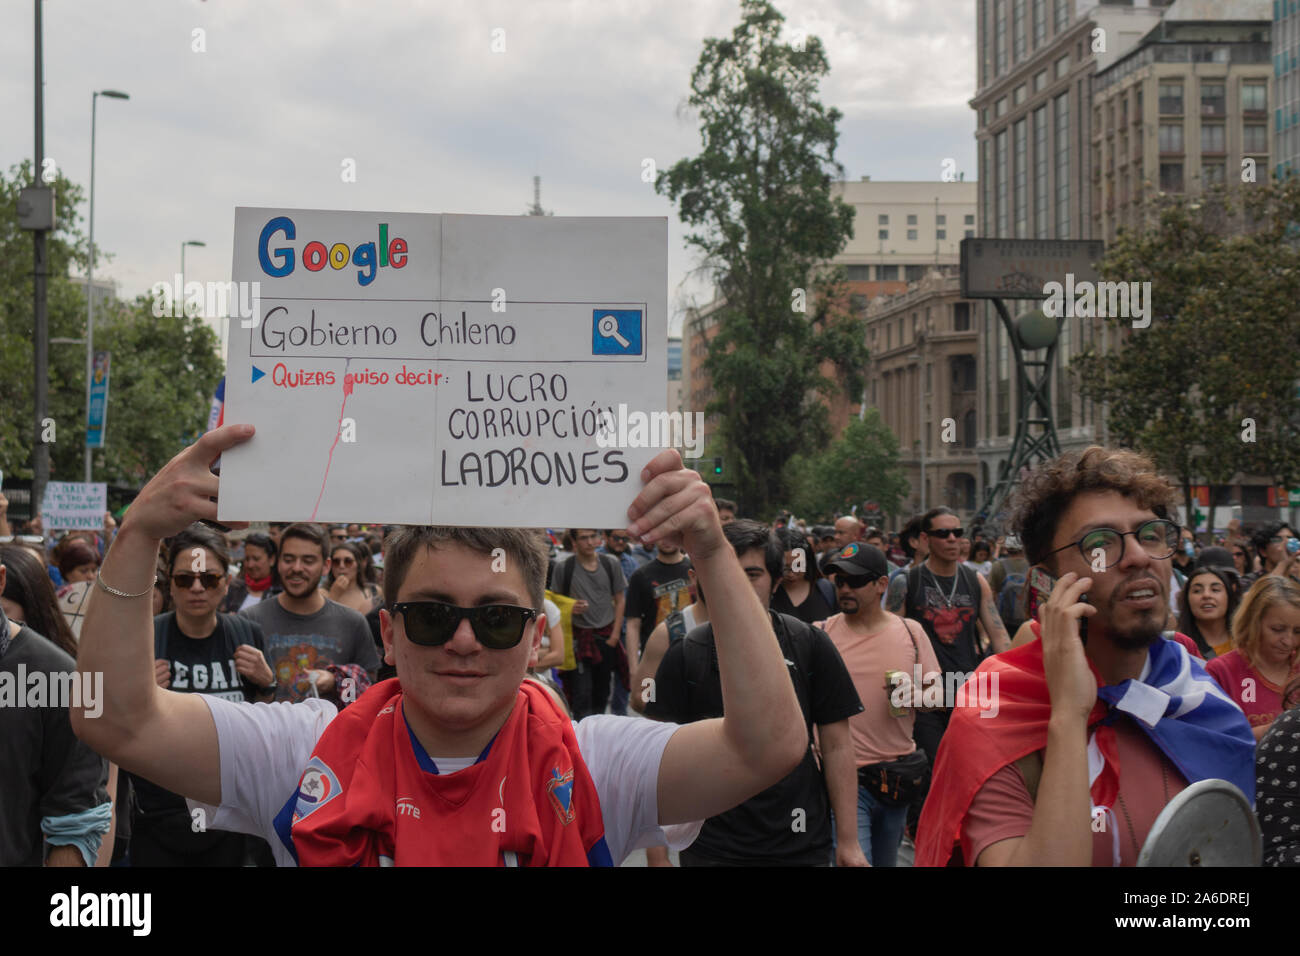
(882, 219)
(883, 233)
(1063, 66)
(889, 336)
(911, 220)
(999, 36)
(1254, 97)
(1171, 177)
(1213, 98)
(941, 220)
(1062, 15)
(1171, 137)
(1019, 30)
(1213, 174)
(1040, 22)
(1000, 107)
(1041, 210)
(1171, 99)
(1212, 138)
(970, 233)
(912, 274)
(1254, 138)
(1018, 95)
(941, 234)
(858, 273)
(887, 273)
(1061, 105)
(929, 378)
(963, 373)
(1040, 81)
(1021, 197)
(911, 235)
(961, 317)
(1001, 159)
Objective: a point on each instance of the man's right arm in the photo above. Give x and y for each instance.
(1060, 834)
(164, 736)
(653, 654)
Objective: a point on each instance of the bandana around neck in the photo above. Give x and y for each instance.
(1179, 706)
(257, 584)
(369, 795)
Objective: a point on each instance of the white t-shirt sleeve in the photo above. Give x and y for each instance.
(552, 613)
(263, 749)
(623, 754)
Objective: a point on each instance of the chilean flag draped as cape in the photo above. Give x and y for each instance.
(1179, 706)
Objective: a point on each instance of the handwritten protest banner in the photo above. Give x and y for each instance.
(442, 369)
(71, 505)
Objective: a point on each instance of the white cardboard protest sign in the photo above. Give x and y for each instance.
(74, 505)
(442, 369)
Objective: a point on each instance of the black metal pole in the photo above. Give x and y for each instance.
(40, 449)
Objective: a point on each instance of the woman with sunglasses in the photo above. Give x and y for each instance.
(1266, 655)
(351, 581)
(197, 649)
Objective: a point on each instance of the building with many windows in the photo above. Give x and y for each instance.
(1185, 109)
(921, 377)
(1286, 85)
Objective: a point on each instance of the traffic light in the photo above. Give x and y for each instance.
(717, 466)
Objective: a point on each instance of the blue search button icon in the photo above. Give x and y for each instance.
(616, 332)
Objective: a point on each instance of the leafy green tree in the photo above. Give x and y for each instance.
(758, 199)
(163, 370)
(862, 465)
(1219, 363)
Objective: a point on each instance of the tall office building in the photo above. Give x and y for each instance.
(1034, 69)
(1286, 86)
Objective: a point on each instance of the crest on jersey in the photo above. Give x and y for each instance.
(560, 789)
(319, 785)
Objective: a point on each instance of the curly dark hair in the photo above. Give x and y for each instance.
(1046, 493)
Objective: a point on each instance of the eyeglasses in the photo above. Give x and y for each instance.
(619, 538)
(854, 580)
(1159, 538)
(433, 623)
(345, 562)
(946, 532)
(186, 581)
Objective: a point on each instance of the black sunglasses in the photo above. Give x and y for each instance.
(433, 623)
(854, 580)
(946, 532)
(185, 581)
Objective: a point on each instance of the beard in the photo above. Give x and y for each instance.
(1139, 634)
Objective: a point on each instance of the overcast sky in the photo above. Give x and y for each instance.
(436, 122)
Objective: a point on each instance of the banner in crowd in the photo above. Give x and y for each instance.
(442, 369)
(74, 505)
(97, 420)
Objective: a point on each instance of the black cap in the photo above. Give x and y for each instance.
(858, 558)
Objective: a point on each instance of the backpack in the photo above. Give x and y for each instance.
(565, 584)
(700, 657)
(1010, 598)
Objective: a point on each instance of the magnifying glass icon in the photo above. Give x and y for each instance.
(608, 328)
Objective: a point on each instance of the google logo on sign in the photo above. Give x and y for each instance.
(366, 256)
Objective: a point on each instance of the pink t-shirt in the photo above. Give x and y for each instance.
(1148, 780)
(878, 736)
(1259, 698)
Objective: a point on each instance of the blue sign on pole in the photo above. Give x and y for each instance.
(97, 420)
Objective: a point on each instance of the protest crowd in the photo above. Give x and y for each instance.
(706, 685)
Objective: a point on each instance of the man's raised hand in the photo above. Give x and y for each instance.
(185, 490)
(676, 506)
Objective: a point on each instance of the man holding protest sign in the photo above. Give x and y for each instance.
(498, 775)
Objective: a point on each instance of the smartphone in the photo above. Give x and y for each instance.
(1042, 583)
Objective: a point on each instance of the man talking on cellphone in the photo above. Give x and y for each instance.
(1090, 741)
(459, 760)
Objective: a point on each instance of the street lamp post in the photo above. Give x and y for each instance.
(90, 266)
(188, 242)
